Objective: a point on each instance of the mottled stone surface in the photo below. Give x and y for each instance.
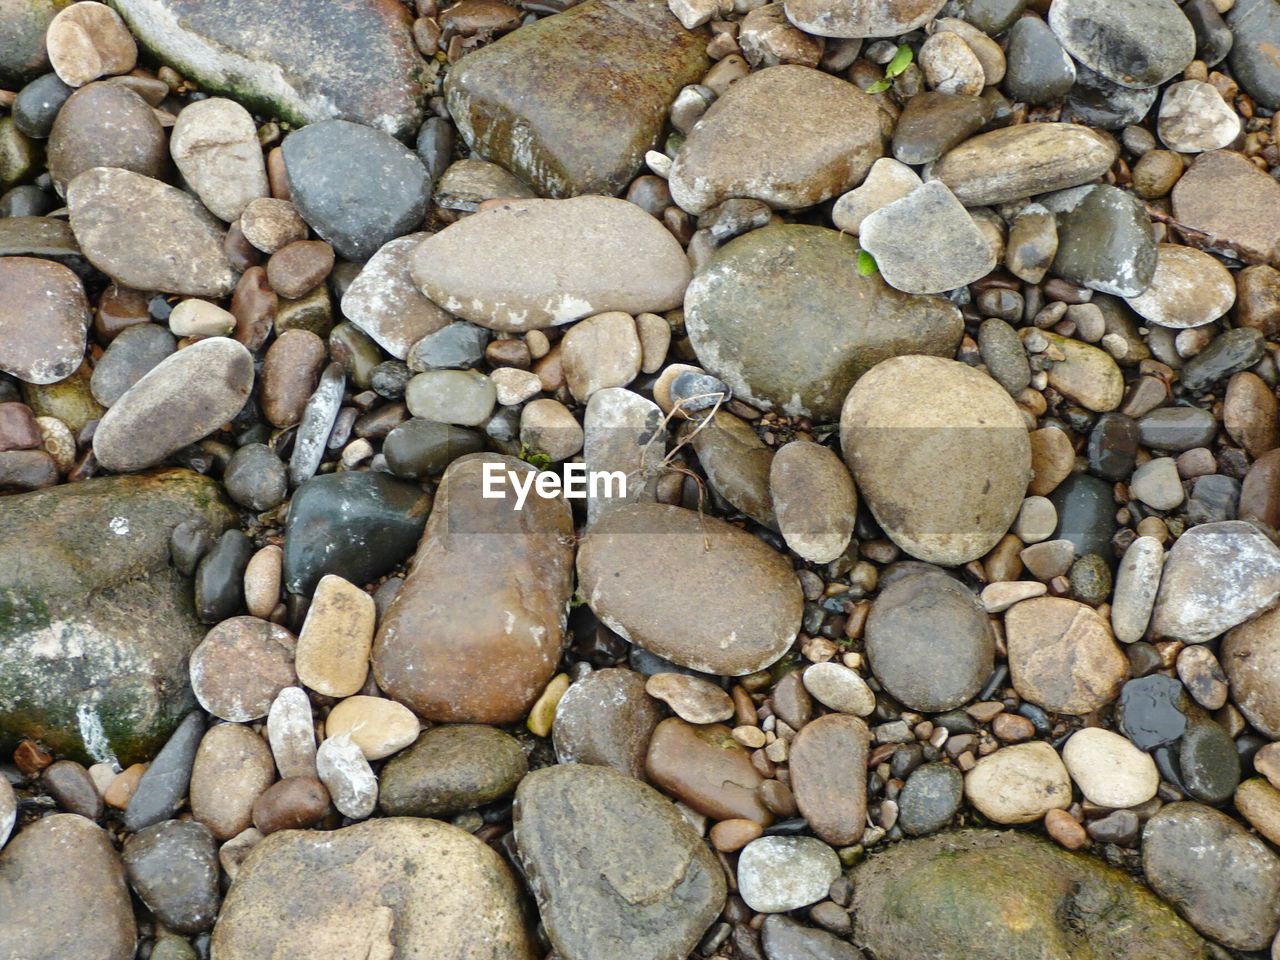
(44, 319)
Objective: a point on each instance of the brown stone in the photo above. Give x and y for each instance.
(1227, 205)
(1250, 658)
(333, 646)
(293, 803)
(1062, 655)
(730, 836)
(691, 698)
(484, 602)
(44, 320)
(120, 791)
(69, 783)
(119, 308)
(233, 767)
(299, 267)
(606, 719)
(87, 41)
(106, 125)
(254, 306)
(290, 374)
(1250, 413)
(828, 761)
(1052, 459)
(1258, 299)
(707, 769)
(791, 701)
(1260, 491)
(18, 428)
(240, 666)
(27, 470)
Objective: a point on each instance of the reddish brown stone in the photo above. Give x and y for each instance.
(290, 373)
(1260, 491)
(18, 430)
(828, 761)
(294, 803)
(254, 306)
(299, 267)
(707, 769)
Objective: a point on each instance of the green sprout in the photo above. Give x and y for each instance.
(866, 264)
(901, 60)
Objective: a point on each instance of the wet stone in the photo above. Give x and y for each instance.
(130, 356)
(219, 579)
(1208, 762)
(255, 477)
(451, 769)
(162, 788)
(1229, 353)
(384, 302)
(606, 719)
(785, 939)
(173, 868)
(1251, 659)
(88, 40)
(293, 803)
(1151, 711)
(1126, 262)
(1113, 446)
(232, 768)
(420, 448)
(828, 760)
(706, 769)
(105, 125)
(240, 666)
(70, 785)
(1177, 428)
(44, 320)
(931, 796)
(931, 123)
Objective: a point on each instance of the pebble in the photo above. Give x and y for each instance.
(887, 181)
(1152, 711)
(379, 727)
(1259, 802)
(1189, 288)
(690, 698)
(1019, 784)
(931, 796)
(215, 145)
(299, 267)
(778, 874)
(290, 374)
(420, 448)
(1065, 830)
(1000, 596)
(270, 224)
(1177, 428)
(931, 123)
(1039, 71)
(1125, 264)
(44, 318)
(1037, 519)
(89, 40)
(1251, 414)
(1208, 762)
(1134, 43)
(8, 810)
(450, 769)
(35, 108)
(346, 774)
(105, 125)
(707, 770)
(384, 302)
(838, 688)
(606, 719)
(1003, 354)
(232, 768)
(1202, 675)
(256, 479)
(332, 654)
(855, 18)
(1137, 580)
(70, 785)
(1157, 484)
(160, 790)
(219, 577)
(828, 762)
(600, 352)
(1230, 353)
(1253, 27)
(293, 803)
(1250, 657)
(1230, 205)
(950, 65)
(1109, 769)
(173, 868)
(200, 318)
(785, 939)
(1062, 655)
(813, 499)
(240, 667)
(291, 733)
(1194, 118)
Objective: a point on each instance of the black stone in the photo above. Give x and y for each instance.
(1209, 762)
(26, 200)
(1229, 353)
(1113, 446)
(1151, 711)
(1255, 25)
(173, 867)
(256, 478)
(219, 579)
(421, 448)
(163, 787)
(1096, 101)
(1086, 514)
(38, 104)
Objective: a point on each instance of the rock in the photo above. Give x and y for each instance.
(838, 688)
(1137, 581)
(1234, 351)
(1062, 656)
(419, 448)
(562, 260)
(707, 770)
(1251, 414)
(1157, 484)
(1125, 263)
(606, 719)
(1039, 70)
(1243, 913)
(814, 500)
(973, 424)
(129, 225)
(44, 320)
(64, 893)
(89, 40)
(670, 891)
(828, 763)
(777, 874)
(1019, 161)
(1254, 27)
(954, 253)
(451, 769)
(1188, 289)
(950, 65)
(130, 356)
(282, 900)
(1208, 762)
(785, 939)
(889, 180)
(539, 102)
(291, 733)
(737, 464)
(857, 18)
(346, 774)
(328, 166)
(841, 324)
(931, 123)
(384, 302)
(691, 698)
(295, 64)
(1019, 783)
(929, 799)
(1177, 428)
(185, 397)
(1259, 802)
(1251, 659)
(173, 867)
(622, 431)
(270, 224)
(94, 645)
(215, 145)
(767, 38)
(233, 767)
(358, 526)
(1151, 711)
(294, 803)
(788, 135)
(23, 52)
(947, 898)
(379, 727)
(695, 557)
(1216, 576)
(1134, 43)
(513, 644)
(333, 648)
(8, 810)
(105, 125)
(1194, 118)
(1230, 207)
(600, 352)
(255, 478)
(290, 374)
(929, 642)
(1109, 769)
(162, 787)
(71, 786)
(470, 182)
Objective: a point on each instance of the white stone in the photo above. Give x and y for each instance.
(1109, 770)
(622, 431)
(838, 688)
(8, 810)
(777, 874)
(950, 65)
(215, 145)
(1019, 784)
(1137, 580)
(1157, 484)
(1037, 519)
(385, 303)
(347, 776)
(200, 318)
(514, 386)
(1194, 118)
(1000, 596)
(291, 733)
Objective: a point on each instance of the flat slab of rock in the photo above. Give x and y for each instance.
(657, 575)
(400, 886)
(384, 302)
(571, 103)
(292, 62)
(95, 623)
(1230, 207)
(532, 264)
(44, 319)
(610, 861)
(129, 227)
(860, 18)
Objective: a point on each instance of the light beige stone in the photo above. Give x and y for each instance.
(333, 647)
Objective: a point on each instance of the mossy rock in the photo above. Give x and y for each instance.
(95, 623)
(992, 895)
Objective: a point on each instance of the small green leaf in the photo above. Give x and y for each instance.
(866, 264)
(880, 86)
(901, 60)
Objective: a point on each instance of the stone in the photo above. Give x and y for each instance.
(1216, 576)
(622, 431)
(828, 763)
(767, 38)
(233, 767)
(8, 810)
(1157, 484)
(537, 102)
(89, 40)
(1151, 711)
(470, 182)
(332, 657)
(1188, 289)
(1259, 802)
(379, 727)
(929, 799)
(953, 415)
(1123, 265)
(290, 374)
(384, 302)
(660, 903)
(291, 733)
(1244, 913)
(737, 464)
(129, 225)
(841, 324)
(514, 641)
(240, 667)
(44, 320)
(1109, 769)
(255, 478)
(788, 135)
(1177, 428)
(562, 260)
(638, 552)
(1208, 762)
(931, 123)
(270, 224)
(839, 688)
(162, 787)
(926, 242)
(707, 770)
(450, 769)
(294, 64)
(606, 719)
(1156, 172)
(1062, 655)
(72, 787)
(64, 892)
(1254, 25)
(327, 165)
(1039, 70)
(215, 146)
(947, 897)
(1019, 161)
(283, 898)
(690, 698)
(814, 500)
(200, 318)
(856, 18)
(1250, 657)
(888, 180)
(294, 803)
(600, 352)
(185, 397)
(929, 641)
(1229, 206)
(950, 65)
(1052, 460)
(1135, 43)
(1136, 584)
(358, 526)
(96, 597)
(24, 54)
(1232, 352)
(419, 448)
(1019, 783)
(173, 868)
(784, 938)
(346, 774)
(1251, 414)
(777, 874)
(105, 125)
(1194, 118)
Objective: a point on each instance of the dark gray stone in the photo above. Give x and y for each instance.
(784, 939)
(1255, 26)
(38, 104)
(1098, 102)
(173, 867)
(163, 787)
(450, 769)
(1105, 242)
(255, 477)
(1135, 43)
(420, 448)
(1229, 353)
(1174, 429)
(219, 579)
(1086, 513)
(1037, 69)
(129, 357)
(929, 799)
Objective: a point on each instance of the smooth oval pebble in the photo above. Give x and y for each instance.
(291, 733)
(332, 657)
(379, 727)
(44, 320)
(233, 768)
(813, 499)
(777, 874)
(690, 698)
(240, 666)
(1019, 784)
(837, 687)
(1189, 289)
(1109, 769)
